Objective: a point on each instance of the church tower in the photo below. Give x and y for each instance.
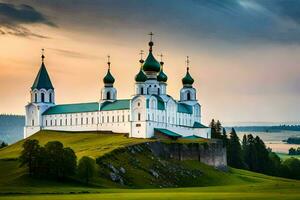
(140, 78)
(188, 92)
(151, 67)
(108, 92)
(162, 78)
(42, 98)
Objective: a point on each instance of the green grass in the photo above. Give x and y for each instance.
(234, 184)
(83, 143)
(285, 156)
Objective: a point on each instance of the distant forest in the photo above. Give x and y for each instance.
(267, 128)
(11, 128)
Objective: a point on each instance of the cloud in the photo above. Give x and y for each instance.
(13, 18)
(73, 54)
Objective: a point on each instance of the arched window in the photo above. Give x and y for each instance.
(35, 97)
(42, 97)
(142, 90)
(139, 116)
(188, 96)
(158, 90)
(50, 98)
(108, 95)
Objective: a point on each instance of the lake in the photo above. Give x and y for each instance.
(273, 140)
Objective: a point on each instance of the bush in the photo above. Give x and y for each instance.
(86, 168)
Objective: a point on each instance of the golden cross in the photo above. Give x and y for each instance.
(43, 57)
(187, 63)
(108, 61)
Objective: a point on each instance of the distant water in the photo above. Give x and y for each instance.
(273, 140)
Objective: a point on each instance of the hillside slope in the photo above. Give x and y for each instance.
(141, 169)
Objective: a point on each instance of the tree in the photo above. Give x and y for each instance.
(62, 160)
(86, 168)
(234, 151)
(290, 168)
(3, 144)
(292, 151)
(216, 129)
(30, 154)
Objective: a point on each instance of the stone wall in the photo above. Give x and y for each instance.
(212, 153)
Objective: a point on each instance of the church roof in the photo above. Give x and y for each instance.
(162, 77)
(42, 80)
(187, 80)
(199, 125)
(184, 108)
(151, 64)
(167, 132)
(141, 76)
(88, 107)
(108, 79)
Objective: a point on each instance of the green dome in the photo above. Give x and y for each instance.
(141, 76)
(187, 80)
(151, 64)
(108, 79)
(162, 77)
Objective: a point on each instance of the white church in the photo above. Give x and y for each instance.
(149, 113)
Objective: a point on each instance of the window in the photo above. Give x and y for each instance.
(158, 90)
(81, 121)
(142, 90)
(139, 104)
(92, 120)
(102, 119)
(87, 120)
(76, 121)
(138, 125)
(60, 123)
(42, 97)
(128, 117)
(188, 96)
(108, 95)
(50, 97)
(118, 118)
(107, 120)
(113, 119)
(123, 118)
(139, 116)
(35, 97)
(32, 123)
(66, 122)
(46, 123)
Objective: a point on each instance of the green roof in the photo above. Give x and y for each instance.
(199, 125)
(123, 104)
(167, 132)
(162, 77)
(187, 80)
(88, 107)
(42, 80)
(151, 64)
(192, 137)
(108, 79)
(184, 108)
(141, 76)
(72, 108)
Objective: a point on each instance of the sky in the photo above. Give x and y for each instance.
(244, 54)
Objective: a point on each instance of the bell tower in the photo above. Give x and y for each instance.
(42, 98)
(188, 92)
(108, 92)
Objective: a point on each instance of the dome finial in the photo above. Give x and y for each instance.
(142, 60)
(151, 42)
(187, 63)
(43, 56)
(161, 59)
(108, 61)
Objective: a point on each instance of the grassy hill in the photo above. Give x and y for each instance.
(285, 156)
(145, 173)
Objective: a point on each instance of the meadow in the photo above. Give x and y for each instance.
(212, 184)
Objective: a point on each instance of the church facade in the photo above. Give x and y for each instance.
(151, 112)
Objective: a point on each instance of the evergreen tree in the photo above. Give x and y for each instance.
(3, 144)
(86, 168)
(234, 151)
(219, 130)
(224, 137)
(29, 155)
(212, 126)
